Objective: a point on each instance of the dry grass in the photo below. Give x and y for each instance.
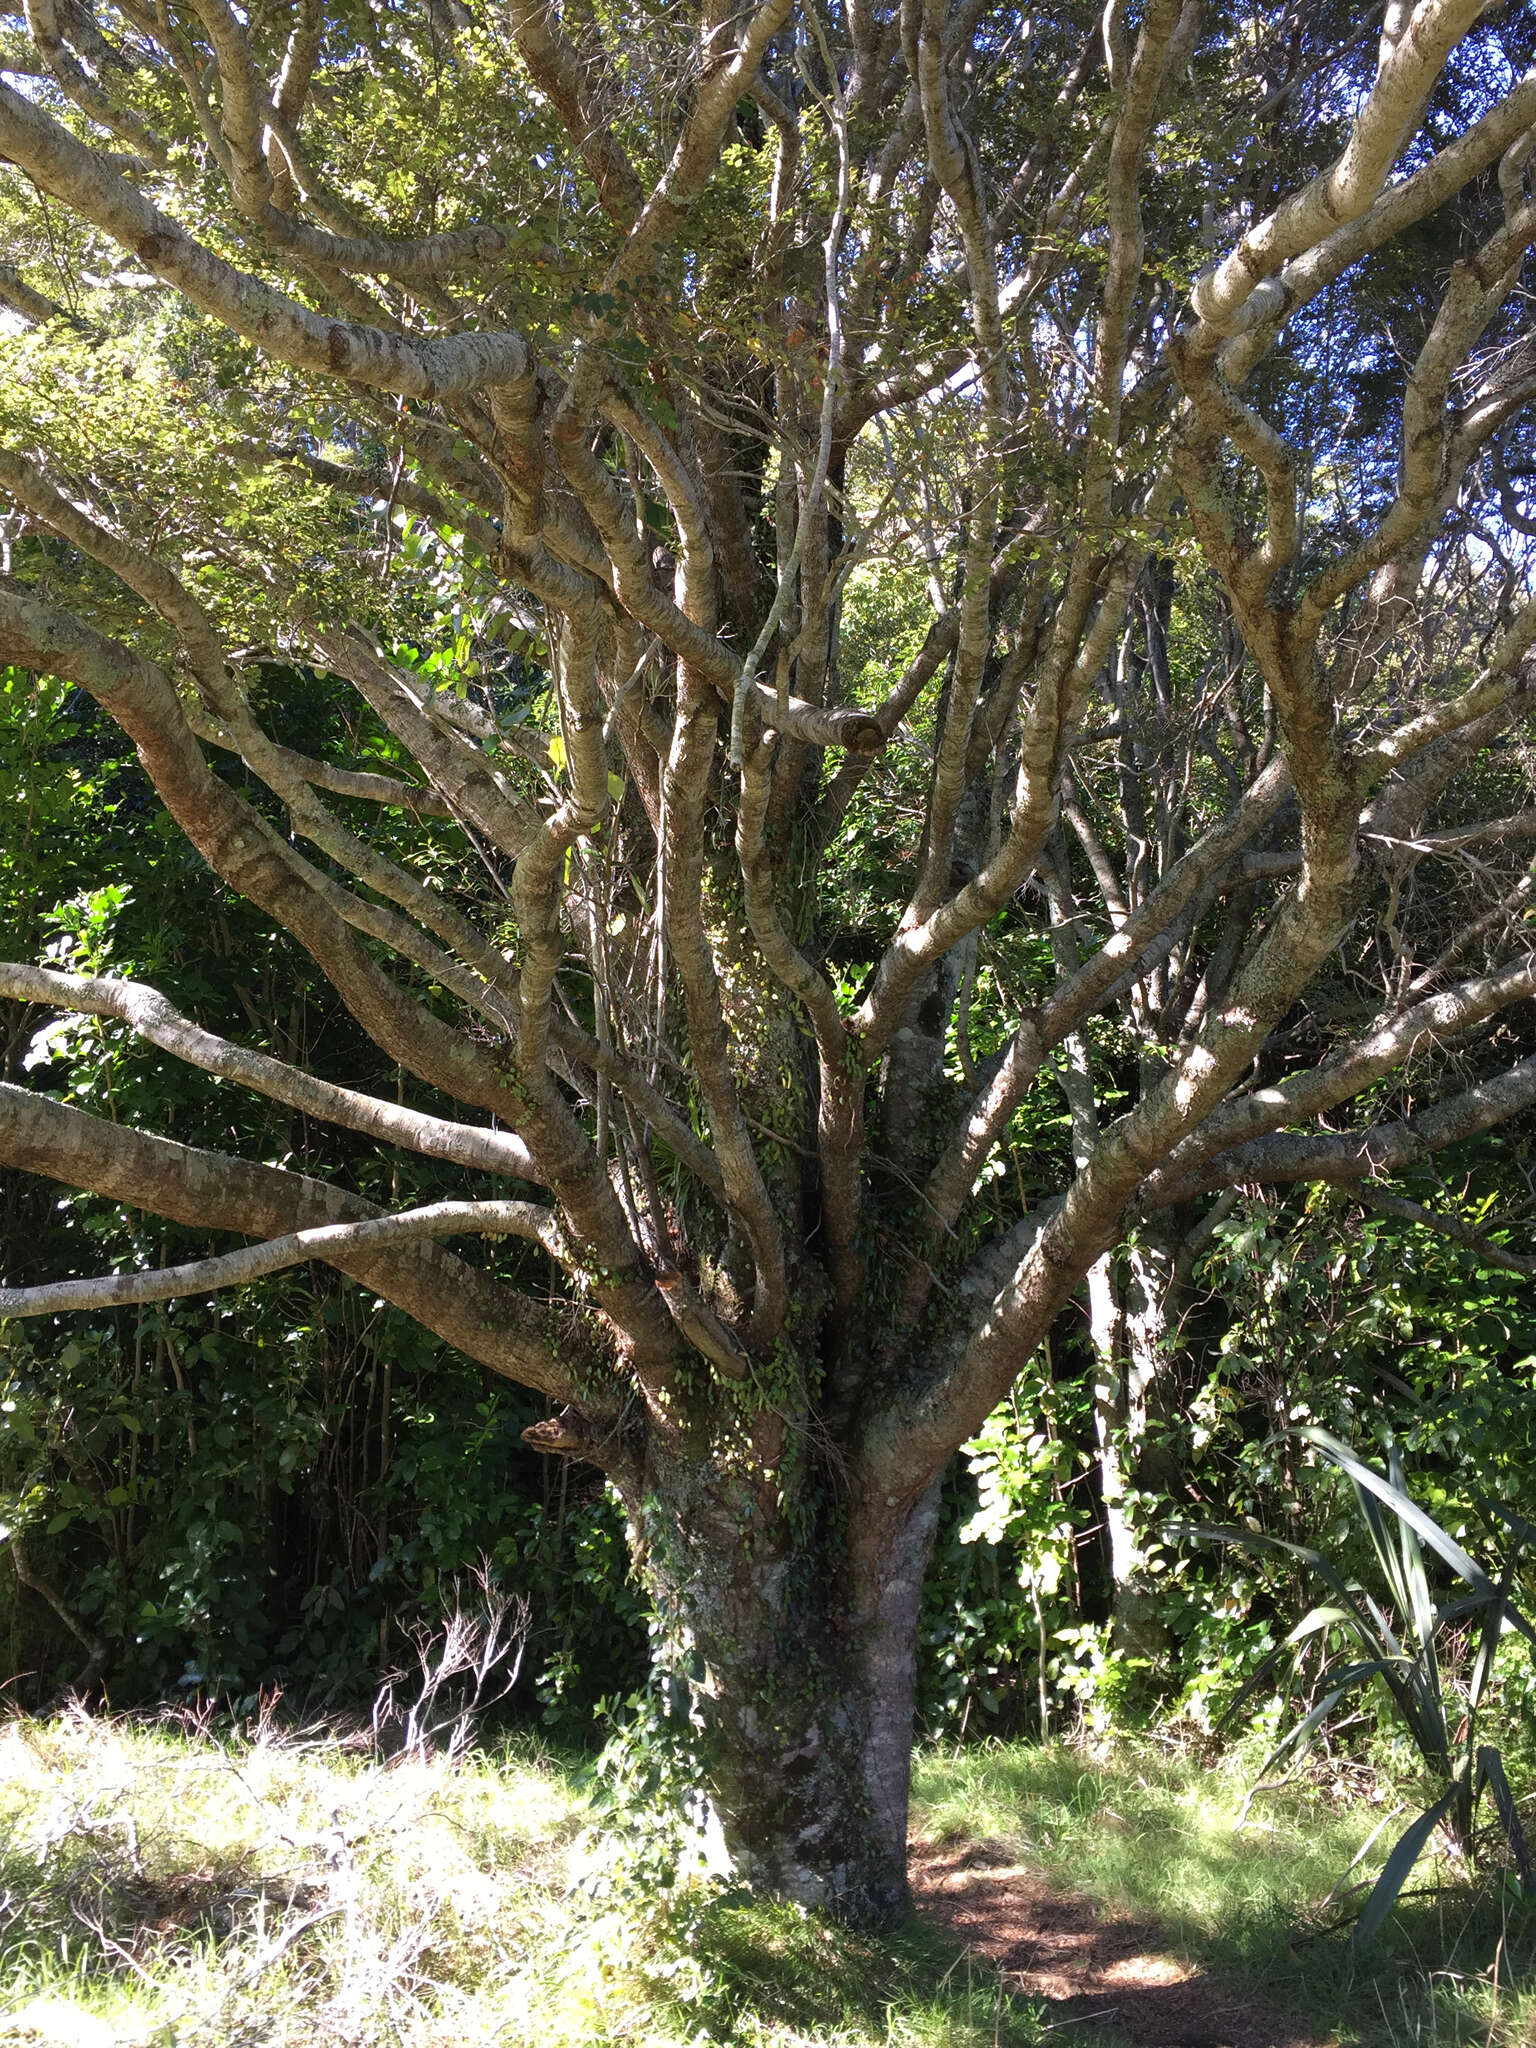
(168, 1885)
(164, 1885)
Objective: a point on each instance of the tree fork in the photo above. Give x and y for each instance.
(818, 375)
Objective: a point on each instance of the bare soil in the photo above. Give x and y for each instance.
(1059, 1947)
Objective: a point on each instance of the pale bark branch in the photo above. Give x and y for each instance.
(414, 366)
(147, 1012)
(539, 1344)
(1384, 1148)
(250, 856)
(1379, 1051)
(255, 1262)
(1475, 1241)
(35, 307)
(1231, 296)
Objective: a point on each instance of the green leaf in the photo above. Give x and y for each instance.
(1319, 1618)
(1424, 1525)
(1490, 1772)
(1298, 1737)
(1394, 1874)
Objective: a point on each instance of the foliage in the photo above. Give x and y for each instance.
(208, 1493)
(1402, 1642)
(1002, 1585)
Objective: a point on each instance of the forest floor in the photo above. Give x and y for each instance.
(1137, 1891)
(1124, 1975)
(167, 1885)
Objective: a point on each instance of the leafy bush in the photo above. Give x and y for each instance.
(274, 1495)
(1399, 1646)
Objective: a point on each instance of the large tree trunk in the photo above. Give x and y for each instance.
(801, 1645)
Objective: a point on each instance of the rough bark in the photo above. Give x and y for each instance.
(1174, 743)
(802, 1624)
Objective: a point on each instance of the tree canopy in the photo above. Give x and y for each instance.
(929, 620)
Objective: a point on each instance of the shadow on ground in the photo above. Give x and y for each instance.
(1057, 1949)
(780, 1969)
(1139, 1890)
(1451, 1970)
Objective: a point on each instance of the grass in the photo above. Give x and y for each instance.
(166, 1885)
(1149, 1832)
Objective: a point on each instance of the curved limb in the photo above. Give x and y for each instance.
(544, 1345)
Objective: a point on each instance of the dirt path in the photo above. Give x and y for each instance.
(1120, 1974)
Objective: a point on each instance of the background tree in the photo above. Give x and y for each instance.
(818, 430)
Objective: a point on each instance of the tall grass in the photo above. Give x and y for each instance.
(175, 1887)
(163, 1886)
(169, 1885)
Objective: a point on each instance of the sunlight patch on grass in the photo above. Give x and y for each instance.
(176, 1888)
(165, 1886)
(1148, 1832)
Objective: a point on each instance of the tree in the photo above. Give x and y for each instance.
(851, 630)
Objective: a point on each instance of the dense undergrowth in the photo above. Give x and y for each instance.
(166, 1885)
